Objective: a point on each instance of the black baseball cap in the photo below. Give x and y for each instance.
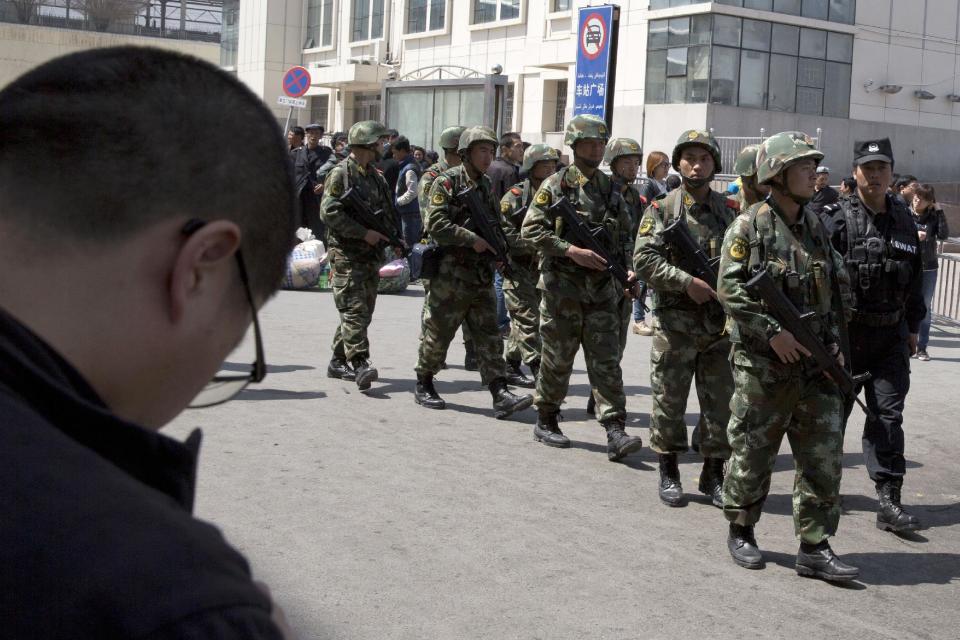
(313, 126)
(870, 150)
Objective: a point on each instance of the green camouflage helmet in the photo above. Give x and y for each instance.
(700, 138)
(538, 153)
(366, 132)
(620, 147)
(746, 164)
(585, 126)
(450, 137)
(781, 150)
(473, 135)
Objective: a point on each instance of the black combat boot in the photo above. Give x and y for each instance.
(819, 561)
(711, 480)
(890, 515)
(743, 547)
(470, 358)
(534, 370)
(619, 444)
(516, 377)
(365, 374)
(591, 405)
(548, 431)
(425, 395)
(339, 369)
(506, 403)
(671, 492)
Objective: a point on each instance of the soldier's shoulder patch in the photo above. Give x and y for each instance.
(505, 207)
(431, 173)
(438, 198)
(646, 226)
(687, 199)
(543, 197)
(655, 204)
(739, 249)
(447, 184)
(515, 191)
(336, 188)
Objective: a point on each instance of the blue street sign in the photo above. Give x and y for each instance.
(593, 60)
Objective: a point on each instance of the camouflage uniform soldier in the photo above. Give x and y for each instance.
(579, 299)
(449, 141)
(520, 288)
(355, 252)
(778, 390)
(689, 337)
(462, 291)
(751, 192)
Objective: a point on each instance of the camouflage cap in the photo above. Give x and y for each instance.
(699, 138)
(537, 153)
(366, 132)
(781, 150)
(746, 164)
(473, 135)
(450, 137)
(619, 147)
(585, 126)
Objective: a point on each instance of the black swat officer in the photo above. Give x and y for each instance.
(875, 233)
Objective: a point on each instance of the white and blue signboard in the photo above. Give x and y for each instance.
(596, 51)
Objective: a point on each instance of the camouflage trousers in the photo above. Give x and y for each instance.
(451, 302)
(676, 359)
(772, 400)
(626, 321)
(467, 340)
(566, 323)
(354, 287)
(523, 301)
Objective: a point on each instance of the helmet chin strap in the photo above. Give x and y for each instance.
(696, 183)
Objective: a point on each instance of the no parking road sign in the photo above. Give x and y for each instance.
(296, 81)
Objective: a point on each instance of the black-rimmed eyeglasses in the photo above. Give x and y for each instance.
(226, 386)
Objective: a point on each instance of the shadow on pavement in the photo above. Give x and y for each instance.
(634, 460)
(271, 368)
(852, 460)
(279, 394)
(903, 569)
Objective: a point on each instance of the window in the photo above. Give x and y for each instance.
(786, 39)
(760, 5)
(508, 98)
(815, 9)
(813, 43)
(561, 5)
(558, 117)
(720, 59)
(494, 10)
(320, 110)
(756, 35)
(230, 38)
(840, 47)
(425, 15)
(782, 93)
(726, 30)
(367, 20)
(842, 10)
(724, 69)
(791, 7)
(320, 18)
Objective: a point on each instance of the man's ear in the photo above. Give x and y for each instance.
(208, 251)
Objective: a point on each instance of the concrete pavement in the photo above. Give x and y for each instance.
(371, 517)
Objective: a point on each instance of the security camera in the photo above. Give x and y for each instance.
(496, 69)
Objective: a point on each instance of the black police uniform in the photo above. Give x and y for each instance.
(883, 258)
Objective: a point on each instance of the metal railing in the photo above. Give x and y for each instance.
(946, 297)
(731, 146)
(185, 20)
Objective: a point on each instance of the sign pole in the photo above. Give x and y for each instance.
(289, 117)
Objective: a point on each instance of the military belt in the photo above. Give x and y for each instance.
(887, 319)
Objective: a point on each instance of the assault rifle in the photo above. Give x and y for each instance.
(596, 239)
(378, 221)
(763, 287)
(488, 228)
(693, 259)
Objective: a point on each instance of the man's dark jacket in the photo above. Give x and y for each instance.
(503, 175)
(826, 196)
(96, 536)
(306, 161)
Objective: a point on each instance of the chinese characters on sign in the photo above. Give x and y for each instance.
(593, 61)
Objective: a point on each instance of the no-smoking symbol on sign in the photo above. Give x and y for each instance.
(594, 36)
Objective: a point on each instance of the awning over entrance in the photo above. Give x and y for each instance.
(353, 77)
